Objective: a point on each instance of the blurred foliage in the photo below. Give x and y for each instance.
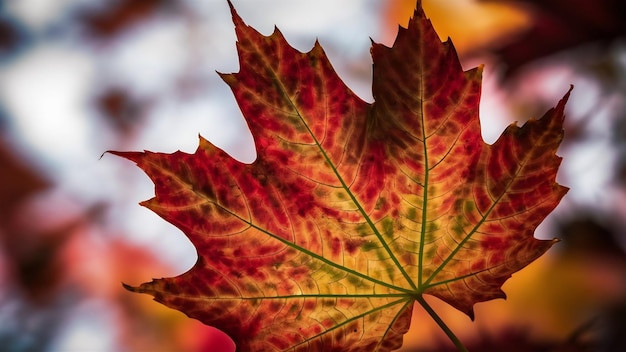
(114, 18)
(559, 25)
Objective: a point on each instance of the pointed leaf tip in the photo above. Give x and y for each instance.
(233, 11)
(237, 20)
(130, 288)
(565, 98)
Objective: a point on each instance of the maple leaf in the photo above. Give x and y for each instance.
(352, 211)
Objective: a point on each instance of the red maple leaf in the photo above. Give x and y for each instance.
(352, 211)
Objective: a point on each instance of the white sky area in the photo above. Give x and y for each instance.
(48, 89)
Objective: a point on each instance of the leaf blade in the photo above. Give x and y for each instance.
(536, 141)
(351, 210)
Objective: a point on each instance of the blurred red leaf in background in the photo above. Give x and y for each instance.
(118, 16)
(562, 24)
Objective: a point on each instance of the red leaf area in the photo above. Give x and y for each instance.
(352, 211)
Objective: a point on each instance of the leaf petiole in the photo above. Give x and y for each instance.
(459, 345)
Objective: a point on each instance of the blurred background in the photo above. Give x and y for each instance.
(79, 77)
